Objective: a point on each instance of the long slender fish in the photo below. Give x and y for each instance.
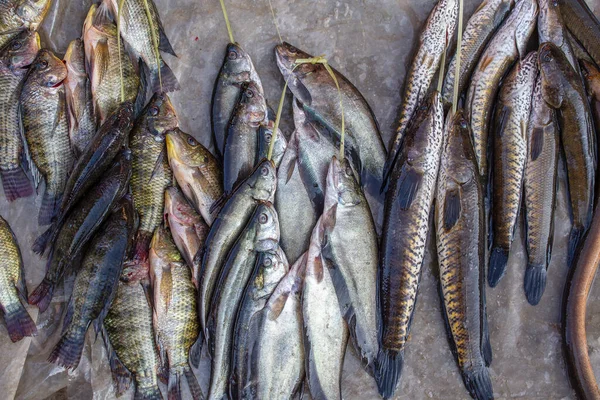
(17, 16)
(506, 46)
(460, 231)
(563, 90)
(583, 24)
(409, 200)
(551, 28)
(592, 82)
(510, 156)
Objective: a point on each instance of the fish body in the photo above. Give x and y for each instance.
(17, 16)
(551, 28)
(583, 24)
(591, 75)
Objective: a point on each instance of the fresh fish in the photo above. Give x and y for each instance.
(79, 227)
(551, 28)
(510, 156)
(80, 105)
(261, 234)
(104, 66)
(508, 44)
(583, 24)
(241, 143)
(433, 42)
(46, 128)
(235, 214)
(562, 90)
(96, 284)
(197, 172)
(237, 69)
(591, 76)
(409, 200)
(13, 292)
(15, 57)
(17, 16)
(265, 133)
(578, 50)
(151, 173)
(540, 186)
(480, 28)
(269, 270)
(175, 313)
(460, 231)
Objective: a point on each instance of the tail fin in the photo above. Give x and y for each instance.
(534, 283)
(196, 351)
(574, 239)
(388, 369)
(42, 295)
(174, 385)
(195, 388)
(479, 384)
(150, 392)
(67, 351)
(15, 184)
(41, 243)
(497, 268)
(167, 78)
(19, 323)
(50, 204)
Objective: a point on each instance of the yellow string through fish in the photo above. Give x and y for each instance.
(442, 65)
(275, 21)
(458, 50)
(119, 48)
(227, 21)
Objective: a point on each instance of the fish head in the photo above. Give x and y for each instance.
(551, 61)
(162, 246)
(526, 12)
(21, 51)
(75, 58)
(265, 133)
(237, 66)
(32, 12)
(183, 149)
(253, 107)
(266, 223)
(462, 164)
(159, 116)
(178, 208)
(47, 70)
(592, 78)
(124, 160)
(287, 57)
(272, 267)
(342, 186)
(263, 181)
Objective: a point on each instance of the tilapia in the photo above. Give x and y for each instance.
(175, 313)
(261, 234)
(265, 134)
(409, 200)
(46, 127)
(460, 231)
(562, 90)
(13, 292)
(15, 57)
(510, 156)
(508, 44)
(96, 284)
(17, 16)
(197, 172)
(583, 24)
(552, 29)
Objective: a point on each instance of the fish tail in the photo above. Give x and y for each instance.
(15, 184)
(196, 351)
(50, 203)
(534, 283)
(42, 295)
(174, 385)
(574, 239)
(19, 323)
(479, 384)
(497, 268)
(150, 392)
(388, 369)
(195, 388)
(40, 244)
(68, 350)
(167, 78)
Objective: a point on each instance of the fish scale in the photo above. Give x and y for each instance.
(17, 15)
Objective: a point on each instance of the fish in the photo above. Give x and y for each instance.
(237, 68)
(591, 75)
(562, 90)
(578, 50)
(188, 229)
(261, 234)
(17, 16)
(551, 28)
(269, 270)
(265, 134)
(583, 24)
(96, 283)
(433, 42)
(409, 201)
(539, 191)
(229, 224)
(241, 144)
(460, 232)
(46, 128)
(15, 57)
(13, 291)
(508, 44)
(151, 173)
(480, 29)
(510, 156)
(80, 105)
(138, 31)
(312, 86)
(108, 66)
(80, 226)
(196, 171)
(175, 313)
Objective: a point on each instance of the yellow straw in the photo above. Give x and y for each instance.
(442, 66)
(227, 22)
(275, 21)
(119, 48)
(458, 50)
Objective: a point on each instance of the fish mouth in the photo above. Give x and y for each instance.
(171, 147)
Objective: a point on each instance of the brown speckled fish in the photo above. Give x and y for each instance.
(20, 15)
(592, 83)
(583, 24)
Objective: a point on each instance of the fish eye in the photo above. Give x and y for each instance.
(292, 49)
(268, 137)
(191, 141)
(232, 55)
(264, 171)
(43, 64)
(16, 45)
(153, 111)
(262, 218)
(463, 123)
(348, 170)
(249, 93)
(267, 261)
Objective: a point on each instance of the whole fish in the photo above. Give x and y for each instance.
(261, 234)
(151, 173)
(15, 57)
(95, 284)
(197, 172)
(539, 192)
(269, 270)
(79, 227)
(17, 16)
(80, 105)
(187, 227)
(13, 291)
(583, 24)
(276, 350)
(175, 313)
(265, 134)
(46, 128)
(235, 214)
(237, 68)
(551, 28)
(433, 42)
(139, 32)
(105, 67)
(506, 46)
(563, 91)
(241, 144)
(312, 86)
(591, 76)
(409, 200)
(480, 28)
(510, 156)
(460, 231)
